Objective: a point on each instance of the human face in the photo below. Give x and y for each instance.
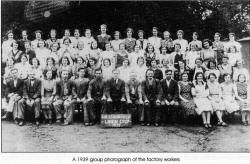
(23, 59)
(150, 74)
(10, 36)
(98, 74)
(54, 47)
(116, 74)
(216, 38)
(24, 35)
(67, 33)
(76, 34)
(50, 62)
(140, 62)
(206, 45)
(137, 48)
(239, 64)
(168, 75)
(231, 37)
(198, 63)
(103, 29)
(129, 33)
(155, 32)
(53, 34)
(212, 66)
(125, 63)
(38, 35)
(227, 78)
(66, 42)
(91, 62)
(49, 75)
(82, 73)
(117, 36)
(65, 75)
(193, 47)
(179, 35)
(166, 35)
(41, 44)
(212, 78)
(14, 74)
(80, 45)
(242, 78)
(15, 46)
(87, 33)
(185, 77)
(106, 63)
(199, 77)
(79, 60)
(32, 76)
(34, 62)
(181, 64)
(64, 61)
(195, 37)
(122, 47)
(108, 47)
(94, 45)
(150, 49)
(153, 64)
(177, 48)
(140, 34)
(27, 46)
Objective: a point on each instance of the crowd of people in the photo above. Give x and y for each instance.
(157, 80)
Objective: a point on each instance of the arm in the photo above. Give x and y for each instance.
(127, 91)
(176, 94)
(182, 98)
(143, 91)
(38, 90)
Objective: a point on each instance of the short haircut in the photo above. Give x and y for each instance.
(168, 70)
(241, 75)
(218, 34)
(180, 31)
(98, 70)
(212, 74)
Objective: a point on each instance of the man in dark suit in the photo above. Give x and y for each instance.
(14, 93)
(32, 95)
(151, 93)
(170, 94)
(96, 96)
(115, 91)
(65, 99)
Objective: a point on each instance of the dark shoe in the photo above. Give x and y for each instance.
(21, 123)
(209, 125)
(206, 125)
(5, 116)
(148, 124)
(244, 123)
(50, 122)
(16, 121)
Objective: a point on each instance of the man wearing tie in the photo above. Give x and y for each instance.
(151, 93)
(170, 95)
(14, 91)
(32, 95)
(65, 99)
(115, 91)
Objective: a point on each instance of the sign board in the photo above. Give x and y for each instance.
(116, 120)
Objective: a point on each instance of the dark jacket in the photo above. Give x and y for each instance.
(115, 91)
(170, 92)
(96, 89)
(32, 91)
(10, 88)
(82, 87)
(153, 92)
(70, 86)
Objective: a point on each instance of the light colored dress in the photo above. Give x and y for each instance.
(156, 42)
(183, 43)
(202, 102)
(107, 72)
(228, 95)
(242, 90)
(191, 56)
(215, 92)
(42, 54)
(48, 89)
(124, 73)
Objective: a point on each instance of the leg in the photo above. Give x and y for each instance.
(208, 119)
(37, 107)
(58, 105)
(163, 113)
(157, 113)
(69, 111)
(203, 114)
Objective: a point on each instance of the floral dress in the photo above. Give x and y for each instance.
(242, 89)
(188, 108)
(129, 44)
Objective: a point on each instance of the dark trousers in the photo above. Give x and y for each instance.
(152, 113)
(94, 110)
(136, 110)
(115, 106)
(169, 113)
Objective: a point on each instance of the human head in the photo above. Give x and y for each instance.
(116, 73)
(14, 73)
(211, 64)
(195, 35)
(177, 47)
(231, 36)
(217, 36)
(150, 49)
(140, 61)
(38, 34)
(65, 74)
(122, 46)
(88, 33)
(35, 62)
(103, 28)
(10, 34)
(129, 32)
(24, 34)
(125, 62)
(155, 31)
(27, 45)
(153, 63)
(117, 35)
(211, 77)
(31, 75)
(184, 76)
(76, 33)
(150, 74)
(67, 33)
(108, 46)
(241, 78)
(48, 74)
(180, 34)
(198, 62)
(199, 76)
(50, 61)
(41, 44)
(98, 73)
(81, 72)
(227, 77)
(166, 35)
(106, 62)
(168, 74)
(53, 33)
(140, 34)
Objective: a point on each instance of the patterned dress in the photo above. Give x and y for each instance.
(214, 92)
(129, 44)
(228, 97)
(48, 90)
(188, 108)
(242, 89)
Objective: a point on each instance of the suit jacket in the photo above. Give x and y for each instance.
(96, 88)
(70, 89)
(115, 91)
(10, 88)
(32, 91)
(137, 90)
(81, 87)
(170, 92)
(151, 92)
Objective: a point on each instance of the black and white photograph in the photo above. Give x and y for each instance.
(125, 77)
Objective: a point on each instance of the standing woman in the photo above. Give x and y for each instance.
(186, 99)
(239, 69)
(129, 41)
(82, 51)
(67, 49)
(166, 39)
(207, 53)
(88, 39)
(233, 55)
(122, 54)
(243, 94)
(92, 67)
(141, 41)
(125, 70)
(76, 38)
(103, 38)
(229, 92)
(52, 39)
(215, 97)
(195, 41)
(218, 47)
(48, 92)
(80, 63)
(232, 42)
(150, 55)
(117, 41)
(181, 41)
(164, 55)
(192, 55)
(140, 69)
(15, 53)
(200, 93)
(6, 46)
(23, 67)
(155, 40)
(94, 51)
(66, 36)
(38, 36)
(42, 52)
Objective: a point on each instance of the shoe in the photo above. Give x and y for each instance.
(209, 125)
(37, 123)
(58, 121)
(50, 122)
(148, 124)
(156, 124)
(21, 123)
(244, 123)
(86, 124)
(16, 121)
(206, 125)
(66, 123)
(224, 124)
(4, 117)
(142, 124)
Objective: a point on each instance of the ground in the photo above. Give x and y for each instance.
(79, 138)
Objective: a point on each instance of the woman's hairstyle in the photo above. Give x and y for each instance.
(177, 44)
(91, 47)
(211, 74)
(140, 31)
(77, 30)
(184, 73)
(38, 62)
(126, 59)
(200, 59)
(66, 39)
(149, 70)
(64, 57)
(148, 48)
(139, 59)
(67, 30)
(241, 74)
(117, 32)
(93, 59)
(41, 41)
(122, 43)
(155, 28)
(197, 74)
(218, 34)
(231, 33)
(80, 57)
(107, 59)
(46, 71)
(209, 64)
(233, 46)
(51, 31)
(225, 75)
(130, 29)
(54, 43)
(180, 31)
(14, 42)
(108, 43)
(206, 40)
(50, 58)
(196, 34)
(38, 31)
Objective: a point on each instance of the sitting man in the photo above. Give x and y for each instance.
(115, 92)
(96, 97)
(65, 99)
(81, 91)
(170, 95)
(134, 98)
(151, 93)
(14, 93)
(32, 95)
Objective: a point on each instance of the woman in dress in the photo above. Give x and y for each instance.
(94, 51)
(177, 55)
(125, 70)
(103, 38)
(140, 69)
(212, 69)
(35, 67)
(108, 54)
(92, 67)
(155, 41)
(218, 47)
(195, 41)
(106, 69)
(243, 94)
(54, 53)
(200, 93)
(215, 97)
(67, 50)
(166, 39)
(42, 52)
(7, 70)
(181, 41)
(121, 55)
(150, 55)
(38, 37)
(50, 65)
(82, 51)
(229, 92)
(117, 41)
(129, 41)
(52, 39)
(164, 55)
(23, 67)
(66, 36)
(224, 68)
(80, 63)
(15, 53)
(192, 55)
(233, 55)
(186, 99)
(48, 92)
(87, 39)
(76, 38)
(134, 55)
(239, 69)
(141, 40)
(64, 65)
(232, 42)
(6, 45)
(207, 53)
(182, 68)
